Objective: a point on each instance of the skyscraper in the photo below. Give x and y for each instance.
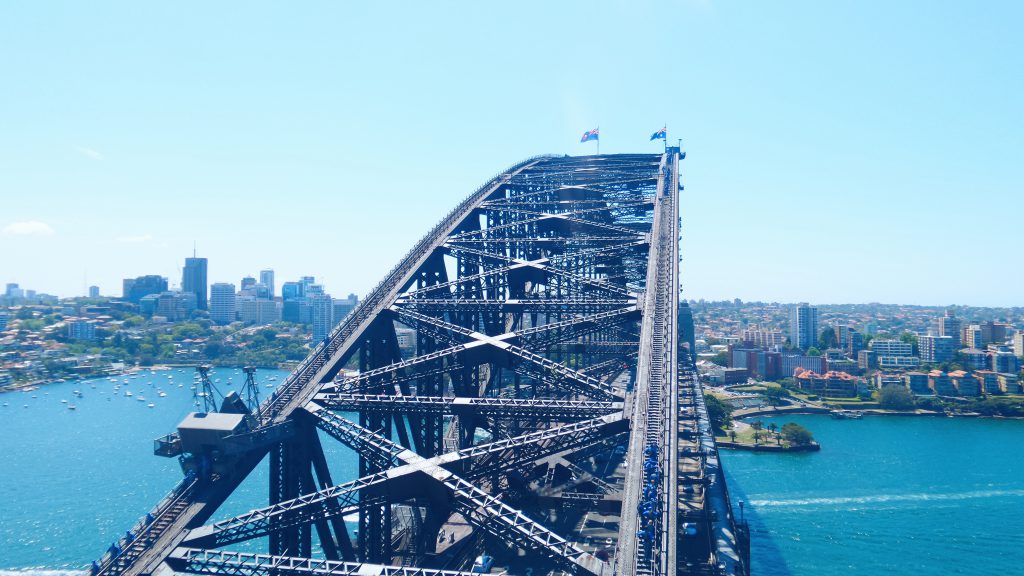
(134, 289)
(223, 303)
(323, 316)
(949, 325)
(936, 348)
(267, 279)
(291, 291)
(803, 325)
(193, 279)
(94, 291)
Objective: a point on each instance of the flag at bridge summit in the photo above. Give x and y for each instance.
(660, 134)
(591, 135)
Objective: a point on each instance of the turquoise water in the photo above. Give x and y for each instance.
(887, 495)
(73, 480)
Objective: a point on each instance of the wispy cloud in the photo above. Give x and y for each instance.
(89, 152)
(135, 239)
(28, 228)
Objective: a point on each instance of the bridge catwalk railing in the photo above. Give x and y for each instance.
(146, 529)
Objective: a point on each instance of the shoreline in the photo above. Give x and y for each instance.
(820, 410)
(815, 447)
(22, 386)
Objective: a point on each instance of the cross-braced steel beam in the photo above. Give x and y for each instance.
(496, 374)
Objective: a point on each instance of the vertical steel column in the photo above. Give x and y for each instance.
(378, 348)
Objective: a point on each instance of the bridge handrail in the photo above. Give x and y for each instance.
(302, 373)
(181, 490)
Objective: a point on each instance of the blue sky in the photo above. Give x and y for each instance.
(838, 151)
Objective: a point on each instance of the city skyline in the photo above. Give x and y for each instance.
(836, 152)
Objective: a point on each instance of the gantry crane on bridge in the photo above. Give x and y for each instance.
(544, 417)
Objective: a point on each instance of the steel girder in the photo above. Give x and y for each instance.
(536, 284)
(513, 408)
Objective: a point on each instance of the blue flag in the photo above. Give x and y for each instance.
(590, 135)
(660, 134)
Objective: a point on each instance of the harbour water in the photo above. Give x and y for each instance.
(887, 495)
(73, 480)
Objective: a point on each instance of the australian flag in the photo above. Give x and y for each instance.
(660, 134)
(590, 135)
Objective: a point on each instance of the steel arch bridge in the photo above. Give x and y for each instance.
(520, 393)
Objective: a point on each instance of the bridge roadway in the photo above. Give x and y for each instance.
(545, 373)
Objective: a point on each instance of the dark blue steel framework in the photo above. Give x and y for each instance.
(545, 386)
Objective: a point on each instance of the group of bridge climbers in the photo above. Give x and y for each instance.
(650, 504)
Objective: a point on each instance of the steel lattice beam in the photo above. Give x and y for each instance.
(533, 307)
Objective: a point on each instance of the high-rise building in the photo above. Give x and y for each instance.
(758, 337)
(883, 347)
(849, 340)
(175, 306)
(306, 282)
(291, 291)
(936, 348)
(259, 311)
(248, 283)
(223, 303)
(322, 306)
(1005, 362)
(133, 289)
(1018, 343)
(193, 279)
(949, 325)
(342, 306)
(94, 291)
(81, 330)
(972, 336)
(13, 291)
(3, 320)
(803, 325)
(267, 279)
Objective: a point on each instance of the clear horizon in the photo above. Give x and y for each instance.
(837, 152)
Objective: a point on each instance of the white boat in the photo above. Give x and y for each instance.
(63, 401)
(71, 406)
(141, 398)
(150, 405)
(162, 394)
(128, 393)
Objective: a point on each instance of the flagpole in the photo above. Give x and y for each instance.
(598, 139)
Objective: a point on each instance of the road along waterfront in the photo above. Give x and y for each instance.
(886, 495)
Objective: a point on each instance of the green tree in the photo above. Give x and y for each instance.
(827, 338)
(796, 434)
(776, 396)
(812, 351)
(719, 412)
(722, 358)
(773, 427)
(895, 398)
